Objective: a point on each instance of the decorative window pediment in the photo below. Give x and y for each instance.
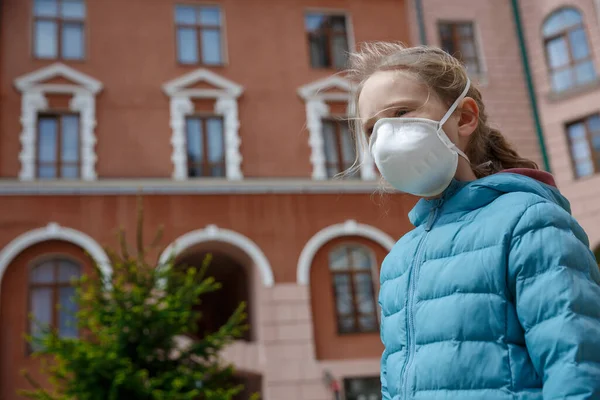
(204, 84)
(58, 79)
(318, 97)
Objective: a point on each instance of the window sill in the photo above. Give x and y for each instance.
(200, 65)
(61, 60)
(171, 187)
(581, 179)
(554, 97)
(479, 78)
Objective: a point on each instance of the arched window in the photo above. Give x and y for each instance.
(51, 296)
(567, 51)
(351, 269)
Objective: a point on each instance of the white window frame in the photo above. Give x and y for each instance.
(34, 101)
(226, 94)
(316, 95)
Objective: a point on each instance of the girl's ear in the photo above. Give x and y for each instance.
(469, 117)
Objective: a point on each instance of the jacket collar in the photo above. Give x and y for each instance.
(461, 196)
(424, 206)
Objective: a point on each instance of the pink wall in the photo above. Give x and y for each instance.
(502, 82)
(557, 111)
(504, 87)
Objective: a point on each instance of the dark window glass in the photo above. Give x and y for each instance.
(362, 388)
(199, 35)
(584, 141)
(568, 53)
(59, 29)
(338, 146)
(205, 147)
(51, 298)
(327, 40)
(58, 146)
(351, 268)
(458, 39)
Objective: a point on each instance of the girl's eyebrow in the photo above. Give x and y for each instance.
(390, 106)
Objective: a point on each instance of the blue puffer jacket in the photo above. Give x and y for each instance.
(494, 295)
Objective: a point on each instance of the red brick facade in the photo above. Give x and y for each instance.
(274, 212)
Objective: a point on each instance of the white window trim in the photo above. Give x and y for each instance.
(315, 97)
(226, 94)
(53, 231)
(325, 235)
(213, 233)
(33, 101)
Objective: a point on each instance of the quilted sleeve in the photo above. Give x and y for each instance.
(555, 282)
(385, 394)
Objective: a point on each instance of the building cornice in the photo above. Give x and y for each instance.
(190, 187)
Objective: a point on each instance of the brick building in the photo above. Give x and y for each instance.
(224, 115)
(537, 65)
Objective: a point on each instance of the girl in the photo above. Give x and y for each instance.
(495, 293)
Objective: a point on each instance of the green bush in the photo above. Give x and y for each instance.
(131, 325)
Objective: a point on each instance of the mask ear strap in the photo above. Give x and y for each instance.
(449, 114)
(456, 103)
(461, 153)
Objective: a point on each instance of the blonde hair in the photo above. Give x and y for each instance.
(487, 149)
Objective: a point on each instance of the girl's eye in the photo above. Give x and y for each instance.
(400, 113)
(369, 131)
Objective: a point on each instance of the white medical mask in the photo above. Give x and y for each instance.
(414, 154)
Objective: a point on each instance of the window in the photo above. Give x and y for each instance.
(584, 140)
(362, 388)
(351, 267)
(51, 302)
(567, 51)
(327, 40)
(59, 29)
(58, 154)
(199, 35)
(205, 147)
(338, 146)
(458, 39)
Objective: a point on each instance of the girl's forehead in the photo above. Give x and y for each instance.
(389, 87)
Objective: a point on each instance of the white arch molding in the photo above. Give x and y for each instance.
(54, 231)
(348, 228)
(213, 233)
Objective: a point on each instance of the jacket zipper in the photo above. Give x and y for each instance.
(412, 278)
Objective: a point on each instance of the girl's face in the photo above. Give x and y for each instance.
(396, 93)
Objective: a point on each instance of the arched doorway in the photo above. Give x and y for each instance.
(235, 279)
(216, 307)
(245, 273)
